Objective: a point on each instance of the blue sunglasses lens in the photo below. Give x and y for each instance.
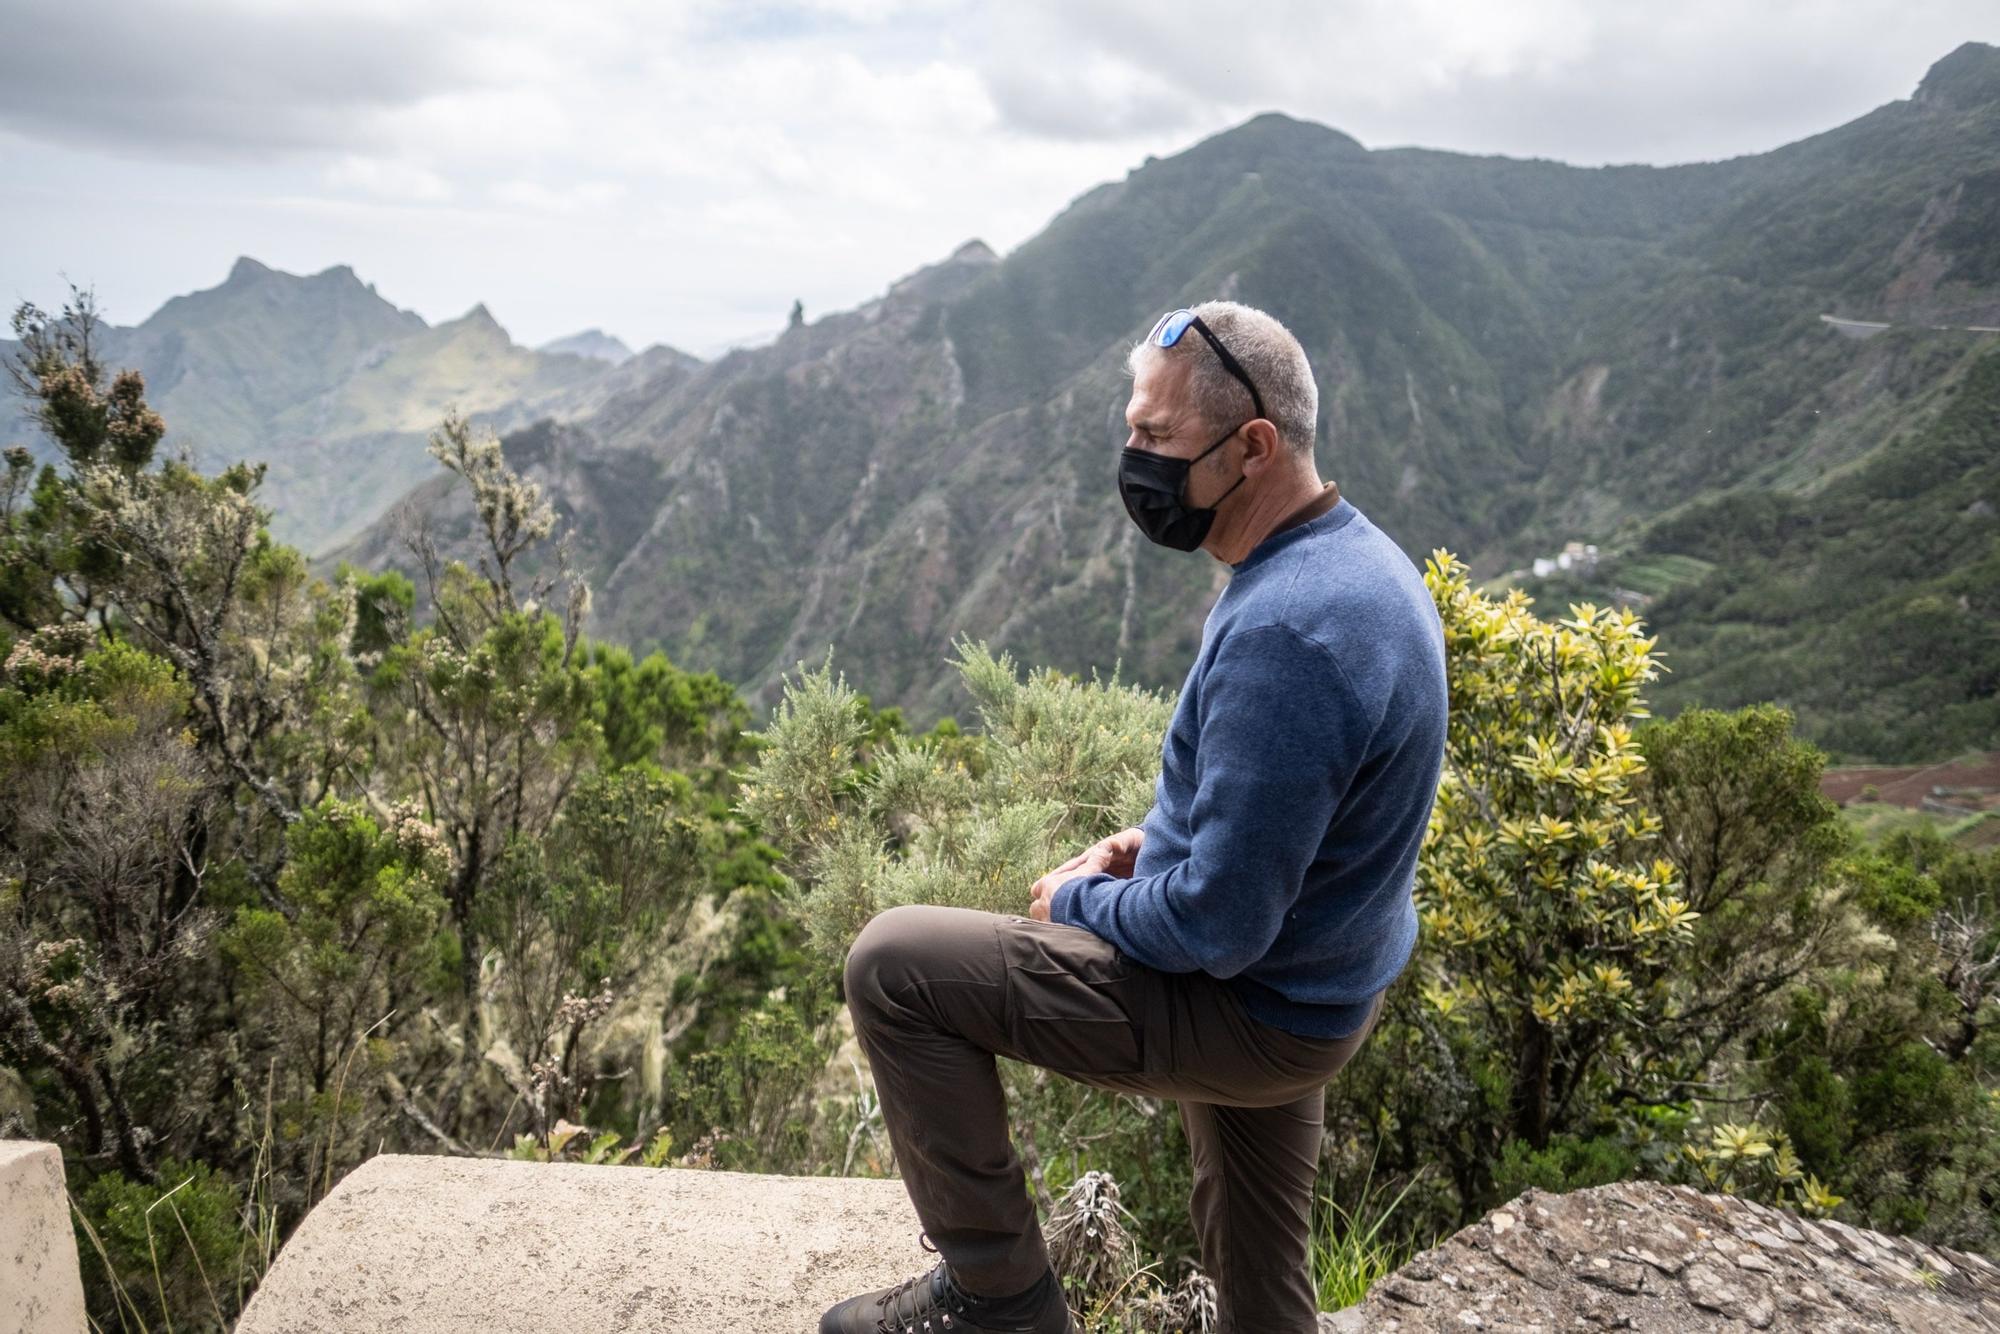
(1171, 326)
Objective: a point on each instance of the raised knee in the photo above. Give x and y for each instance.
(875, 956)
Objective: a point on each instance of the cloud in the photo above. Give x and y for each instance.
(1584, 82)
(208, 80)
(1091, 95)
(386, 178)
(1187, 62)
(539, 198)
(680, 170)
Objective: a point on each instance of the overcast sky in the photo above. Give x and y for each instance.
(679, 170)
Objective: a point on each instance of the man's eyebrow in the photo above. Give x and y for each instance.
(1148, 426)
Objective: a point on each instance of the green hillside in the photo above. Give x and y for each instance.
(1512, 355)
(1870, 607)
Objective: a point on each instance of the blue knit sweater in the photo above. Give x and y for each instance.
(1295, 784)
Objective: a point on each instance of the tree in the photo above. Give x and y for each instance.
(494, 719)
(286, 878)
(1863, 1069)
(364, 899)
(575, 914)
(1752, 841)
(52, 568)
(651, 710)
(105, 925)
(182, 565)
(1965, 930)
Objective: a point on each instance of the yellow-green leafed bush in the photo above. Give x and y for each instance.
(1547, 915)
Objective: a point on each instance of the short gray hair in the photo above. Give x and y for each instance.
(1268, 353)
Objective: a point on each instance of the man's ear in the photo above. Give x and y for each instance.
(1261, 445)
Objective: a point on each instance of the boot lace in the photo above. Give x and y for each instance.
(927, 1303)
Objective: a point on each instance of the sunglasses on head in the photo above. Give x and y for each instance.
(1177, 322)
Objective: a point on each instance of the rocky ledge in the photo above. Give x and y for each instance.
(426, 1245)
(1665, 1258)
(450, 1245)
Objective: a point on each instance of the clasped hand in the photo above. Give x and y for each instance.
(1115, 855)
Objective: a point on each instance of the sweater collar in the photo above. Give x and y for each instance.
(1323, 513)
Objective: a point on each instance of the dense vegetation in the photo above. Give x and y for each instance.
(1648, 948)
(1869, 606)
(289, 877)
(297, 867)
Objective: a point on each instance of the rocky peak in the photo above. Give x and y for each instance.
(478, 321)
(335, 287)
(246, 271)
(307, 331)
(974, 251)
(1969, 77)
(338, 275)
(1275, 131)
(946, 277)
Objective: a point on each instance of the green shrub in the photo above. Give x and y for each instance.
(1567, 1162)
(175, 1251)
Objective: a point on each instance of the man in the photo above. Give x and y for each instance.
(1229, 953)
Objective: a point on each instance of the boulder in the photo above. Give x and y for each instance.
(41, 1289)
(423, 1244)
(1636, 1255)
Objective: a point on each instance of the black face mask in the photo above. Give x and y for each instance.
(1152, 487)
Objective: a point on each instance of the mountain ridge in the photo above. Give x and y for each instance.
(1512, 354)
(333, 387)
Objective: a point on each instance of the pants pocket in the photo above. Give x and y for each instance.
(1069, 999)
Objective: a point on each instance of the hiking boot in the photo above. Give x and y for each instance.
(933, 1303)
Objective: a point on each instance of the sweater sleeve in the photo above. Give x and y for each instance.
(1280, 738)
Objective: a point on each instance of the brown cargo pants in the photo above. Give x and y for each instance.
(936, 993)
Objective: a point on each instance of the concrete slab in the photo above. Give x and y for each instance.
(41, 1288)
(424, 1244)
